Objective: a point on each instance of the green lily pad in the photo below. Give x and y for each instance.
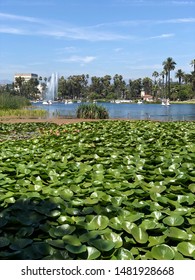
(4, 241)
(115, 238)
(102, 245)
(176, 233)
(124, 254)
(76, 249)
(139, 234)
(162, 252)
(20, 243)
(93, 253)
(64, 229)
(187, 248)
(72, 240)
(98, 222)
(173, 220)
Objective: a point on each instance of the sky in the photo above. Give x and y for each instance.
(105, 37)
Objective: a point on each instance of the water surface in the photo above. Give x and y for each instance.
(174, 112)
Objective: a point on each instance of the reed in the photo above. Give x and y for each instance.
(8, 101)
(92, 111)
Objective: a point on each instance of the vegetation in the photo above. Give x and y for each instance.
(161, 85)
(98, 190)
(8, 101)
(15, 106)
(24, 113)
(92, 111)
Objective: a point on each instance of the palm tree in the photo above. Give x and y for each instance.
(192, 63)
(162, 74)
(180, 75)
(169, 65)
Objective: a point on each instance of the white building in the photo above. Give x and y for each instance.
(26, 76)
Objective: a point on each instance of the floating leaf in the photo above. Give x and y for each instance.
(76, 249)
(187, 248)
(173, 220)
(20, 243)
(102, 245)
(4, 241)
(139, 234)
(98, 222)
(176, 233)
(162, 252)
(64, 229)
(124, 254)
(93, 253)
(115, 238)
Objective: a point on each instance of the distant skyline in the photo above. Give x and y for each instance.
(127, 37)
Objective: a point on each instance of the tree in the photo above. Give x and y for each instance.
(169, 65)
(180, 75)
(19, 81)
(147, 85)
(155, 74)
(192, 63)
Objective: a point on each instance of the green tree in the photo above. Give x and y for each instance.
(169, 65)
(180, 75)
(192, 63)
(19, 81)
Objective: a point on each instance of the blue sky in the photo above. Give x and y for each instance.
(71, 37)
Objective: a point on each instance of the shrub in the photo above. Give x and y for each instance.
(92, 111)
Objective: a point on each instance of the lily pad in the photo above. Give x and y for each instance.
(139, 234)
(162, 252)
(98, 222)
(173, 220)
(187, 248)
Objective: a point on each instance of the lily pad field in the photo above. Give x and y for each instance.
(105, 190)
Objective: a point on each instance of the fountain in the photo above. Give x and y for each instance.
(52, 88)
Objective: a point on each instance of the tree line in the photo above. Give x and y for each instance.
(161, 85)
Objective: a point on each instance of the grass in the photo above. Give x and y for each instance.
(23, 113)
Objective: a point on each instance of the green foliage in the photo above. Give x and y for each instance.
(92, 111)
(116, 190)
(8, 101)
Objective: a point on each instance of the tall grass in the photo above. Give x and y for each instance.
(15, 106)
(92, 111)
(8, 101)
(23, 113)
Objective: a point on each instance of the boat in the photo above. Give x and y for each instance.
(165, 102)
(68, 102)
(48, 102)
(139, 102)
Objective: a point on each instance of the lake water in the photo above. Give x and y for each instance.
(174, 112)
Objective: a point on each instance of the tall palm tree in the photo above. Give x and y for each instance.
(192, 63)
(180, 75)
(155, 74)
(162, 74)
(169, 65)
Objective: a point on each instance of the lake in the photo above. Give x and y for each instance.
(174, 112)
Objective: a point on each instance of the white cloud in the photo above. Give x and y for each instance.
(81, 59)
(11, 30)
(162, 36)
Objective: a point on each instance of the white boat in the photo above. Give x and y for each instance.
(68, 102)
(48, 102)
(165, 102)
(139, 102)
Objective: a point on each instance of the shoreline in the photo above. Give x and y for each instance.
(55, 120)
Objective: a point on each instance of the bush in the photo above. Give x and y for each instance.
(92, 111)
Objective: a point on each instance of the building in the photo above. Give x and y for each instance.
(26, 77)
